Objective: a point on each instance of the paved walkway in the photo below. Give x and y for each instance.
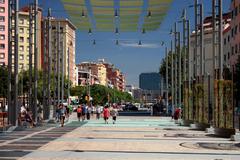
(132, 138)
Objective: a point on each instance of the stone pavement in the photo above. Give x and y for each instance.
(132, 138)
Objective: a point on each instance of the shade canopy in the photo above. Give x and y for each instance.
(125, 15)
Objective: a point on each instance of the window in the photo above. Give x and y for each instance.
(2, 28)
(236, 49)
(27, 48)
(2, 64)
(21, 66)
(232, 31)
(21, 39)
(27, 57)
(21, 21)
(232, 50)
(225, 58)
(2, 55)
(236, 29)
(2, 19)
(225, 41)
(21, 48)
(2, 36)
(228, 38)
(228, 55)
(236, 11)
(21, 57)
(28, 39)
(2, 9)
(21, 30)
(2, 1)
(2, 46)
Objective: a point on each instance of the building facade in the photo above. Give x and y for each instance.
(3, 32)
(23, 39)
(102, 73)
(67, 46)
(150, 81)
(235, 32)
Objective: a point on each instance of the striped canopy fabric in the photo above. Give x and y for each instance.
(117, 15)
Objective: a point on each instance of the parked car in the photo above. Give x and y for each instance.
(130, 107)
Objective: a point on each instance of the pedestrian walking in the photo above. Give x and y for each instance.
(84, 111)
(98, 112)
(177, 114)
(89, 111)
(62, 114)
(106, 114)
(79, 113)
(114, 114)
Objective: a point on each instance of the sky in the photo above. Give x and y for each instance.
(129, 57)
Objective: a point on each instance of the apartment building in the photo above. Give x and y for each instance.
(3, 32)
(235, 32)
(67, 46)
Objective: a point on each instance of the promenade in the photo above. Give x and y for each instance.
(131, 138)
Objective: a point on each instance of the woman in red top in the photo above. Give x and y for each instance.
(106, 114)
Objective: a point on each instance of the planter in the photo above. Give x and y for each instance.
(200, 126)
(224, 132)
(186, 122)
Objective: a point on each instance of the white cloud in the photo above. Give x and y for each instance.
(135, 45)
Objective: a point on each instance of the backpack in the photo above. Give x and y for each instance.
(79, 110)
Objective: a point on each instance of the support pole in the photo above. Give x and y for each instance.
(166, 52)
(34, 111)
(176, 62)
(220, 35)
(30, 56)
(68, 52)
(62, 69)
(172, 78)
(49, 65)
(45, 65)
(58, 63)
(213, 115)
(16, 107)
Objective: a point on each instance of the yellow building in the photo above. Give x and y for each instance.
(23, 45)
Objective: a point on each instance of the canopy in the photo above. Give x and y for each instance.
(120, 15)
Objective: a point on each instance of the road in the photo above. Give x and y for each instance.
(132, 138)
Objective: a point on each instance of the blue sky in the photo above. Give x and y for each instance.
(129, 57)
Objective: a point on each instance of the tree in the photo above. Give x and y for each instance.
(101, 94)
(3, 81)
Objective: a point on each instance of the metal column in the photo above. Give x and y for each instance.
(58, 63)
(68, 52)
(31, 14)
(49, 27)
(15, 100)
(220, 35)
(45, 70)
(166, 53)
(172, 78)
(13, 107)
(62, 69)
(34, 111)
(175, 67)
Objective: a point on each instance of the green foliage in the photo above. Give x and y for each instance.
(101, 94)
(3, 81)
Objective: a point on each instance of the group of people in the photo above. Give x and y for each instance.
(85, 112)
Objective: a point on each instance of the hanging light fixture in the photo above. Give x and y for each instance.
(139, 42)
(83, 14)
(94, 42)
(116, 13)
(89, 31)
(116, 31)
(162, 43)
(143, 31)
(149, 15)
(117, 42)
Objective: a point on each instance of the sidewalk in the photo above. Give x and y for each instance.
(133, 138)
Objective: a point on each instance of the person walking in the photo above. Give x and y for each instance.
(106, 114)
(89, 111)
(114, 114)
(79, 113)
(84, 110)
(62, 114)
(98, 112)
